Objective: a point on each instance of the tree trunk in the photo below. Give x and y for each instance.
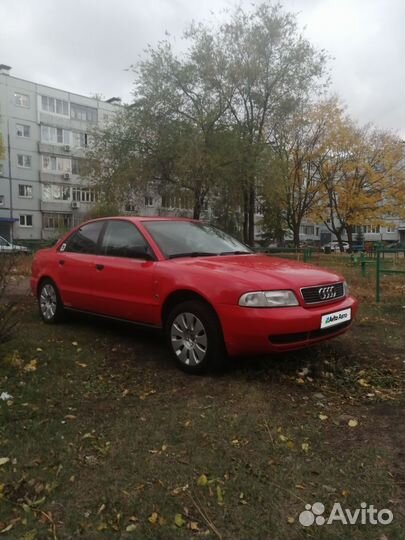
(349, 232)
(252, 205)
(296, 235)
(245, 216)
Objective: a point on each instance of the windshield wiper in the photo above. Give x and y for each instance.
(193, 254)
(236, 252)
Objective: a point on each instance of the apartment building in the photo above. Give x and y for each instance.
(45, 132)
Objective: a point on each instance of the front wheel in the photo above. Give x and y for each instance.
(49, 302)
(195, 337)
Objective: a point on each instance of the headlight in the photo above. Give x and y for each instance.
(268, 299)
(345, 289)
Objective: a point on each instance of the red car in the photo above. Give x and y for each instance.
(209, 292)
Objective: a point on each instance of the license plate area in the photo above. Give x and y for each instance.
(335, 318)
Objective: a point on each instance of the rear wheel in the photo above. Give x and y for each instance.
(49, 302)
(195, 337)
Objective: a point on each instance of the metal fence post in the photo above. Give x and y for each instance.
(363, 264)
(377, 277)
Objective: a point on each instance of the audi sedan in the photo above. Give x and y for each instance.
(211, 295)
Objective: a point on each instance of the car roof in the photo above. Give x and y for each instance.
(137, 219)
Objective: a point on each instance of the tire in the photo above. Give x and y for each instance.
(49, 302)
(194, 336)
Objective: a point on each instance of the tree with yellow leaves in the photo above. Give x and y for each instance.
(301, 148)
(363, 179)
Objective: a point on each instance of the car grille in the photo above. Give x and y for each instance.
(322, 293)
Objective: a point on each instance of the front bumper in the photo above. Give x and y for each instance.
(264, 330)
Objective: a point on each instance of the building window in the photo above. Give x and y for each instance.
(25, 191)
(24, 161)
(57, 221)
(21, 100)
(54, 105)
(75, 166)
(56, 164)
(23, 131)
(130, 207)
(1, 200)
(55, 135)
(85, 195)
(308, 229)
(26, 220)
(372, 229)
(83, 113)
(148, 201)
(391, 229)
(80, 139)
(56, 192)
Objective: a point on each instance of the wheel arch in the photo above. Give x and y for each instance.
(184, 295)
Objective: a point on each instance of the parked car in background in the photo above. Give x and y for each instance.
(333, 247)
(207, 291)
(8, 247)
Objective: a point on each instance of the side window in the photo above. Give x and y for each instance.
(85, 239)
(122, 239)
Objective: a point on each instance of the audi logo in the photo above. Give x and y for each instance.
(326, 293)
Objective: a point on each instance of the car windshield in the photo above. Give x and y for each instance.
(193, 239)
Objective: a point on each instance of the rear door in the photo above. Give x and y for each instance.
(125, 280)
(77, 269)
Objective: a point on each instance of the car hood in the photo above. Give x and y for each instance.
(261, 271)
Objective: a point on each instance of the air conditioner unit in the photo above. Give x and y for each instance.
(75, 205)
(66, 176)
(66, 148)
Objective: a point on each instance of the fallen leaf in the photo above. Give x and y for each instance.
(194, 526)
(153, 518)
(305, 446)
(323, 417)
(290, 519)
(131, 528)
(31, 366)
(220, 496)
(179, 520)
(202, 480)
(353, 423)
(363, 382)
(4, 460)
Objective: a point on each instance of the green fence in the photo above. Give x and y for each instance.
(381, 267)
(306, 254)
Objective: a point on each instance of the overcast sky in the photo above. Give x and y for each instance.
(85, 45)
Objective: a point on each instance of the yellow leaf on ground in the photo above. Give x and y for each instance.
(153, 518)
(290, 519)
(323, 417)
(179, 520)
(305, 446)
(4, 460)
(353, 423)
(202, 480)
(31, 366)
(131, 527)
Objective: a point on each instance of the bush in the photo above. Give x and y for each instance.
(8, 311)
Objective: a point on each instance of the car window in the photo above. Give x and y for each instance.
(85, 239)
(122, 239)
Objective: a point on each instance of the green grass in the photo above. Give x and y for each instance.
(107, 439)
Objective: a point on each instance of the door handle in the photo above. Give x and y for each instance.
(100, 266)
(61, 262)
